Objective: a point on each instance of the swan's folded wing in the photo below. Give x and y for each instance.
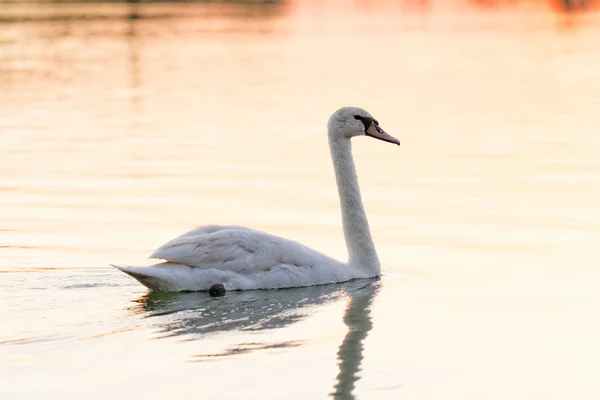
(235, 249)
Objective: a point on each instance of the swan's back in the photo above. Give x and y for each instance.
(236, 249)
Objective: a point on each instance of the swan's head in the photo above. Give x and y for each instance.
(348, 122)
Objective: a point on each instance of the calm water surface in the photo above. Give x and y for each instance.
(118, 134)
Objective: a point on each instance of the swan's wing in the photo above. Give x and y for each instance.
(235, 249)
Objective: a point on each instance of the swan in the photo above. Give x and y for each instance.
(240, 258)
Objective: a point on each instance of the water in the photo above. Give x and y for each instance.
(117, 134)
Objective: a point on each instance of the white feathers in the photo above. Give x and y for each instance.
(238, 258)
(236, 249)
(241, 259)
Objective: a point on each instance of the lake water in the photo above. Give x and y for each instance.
(118, 134)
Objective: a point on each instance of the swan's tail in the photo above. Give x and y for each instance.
(164, 277)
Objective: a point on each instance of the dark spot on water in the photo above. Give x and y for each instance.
(217, 290)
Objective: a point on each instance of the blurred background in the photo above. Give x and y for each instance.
(124, 124)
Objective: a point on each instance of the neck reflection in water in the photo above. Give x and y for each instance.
(350, 355)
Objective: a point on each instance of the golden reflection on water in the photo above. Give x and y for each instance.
(117, 134)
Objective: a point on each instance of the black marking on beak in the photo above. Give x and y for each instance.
(367, 121)
(373, 130)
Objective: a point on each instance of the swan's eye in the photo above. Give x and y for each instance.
(365, 120)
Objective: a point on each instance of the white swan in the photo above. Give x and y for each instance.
(241, 259)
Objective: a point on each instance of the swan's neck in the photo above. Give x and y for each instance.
(361, 248)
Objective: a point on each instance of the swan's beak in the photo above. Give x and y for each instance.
(375, 131)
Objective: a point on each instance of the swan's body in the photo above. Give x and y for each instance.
(241, 259)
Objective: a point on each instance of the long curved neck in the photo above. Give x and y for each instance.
(361, 248)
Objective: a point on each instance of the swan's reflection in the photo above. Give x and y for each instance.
(196, 315)
(350, 354)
